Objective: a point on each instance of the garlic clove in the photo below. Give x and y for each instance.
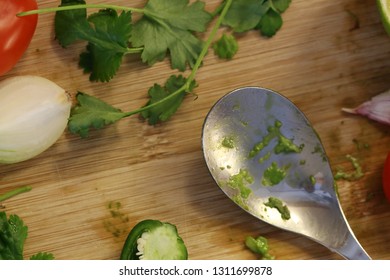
(34, 113)
(377, 109)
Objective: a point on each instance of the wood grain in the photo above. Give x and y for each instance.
(328, 54)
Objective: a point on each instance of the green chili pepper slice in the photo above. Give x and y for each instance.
(154, 240)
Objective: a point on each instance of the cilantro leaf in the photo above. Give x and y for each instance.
(265, 15)
(13, 233)
(163, 111)
(92, 112)
(272, 20)
(281, 5)
(107, 44)
(42, 256)
(69, 26)
(270, 23)
(226, 47)
(167, 26)
(179, 13)
(106, 32)
(244, 15)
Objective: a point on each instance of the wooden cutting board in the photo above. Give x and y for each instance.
(328, 55)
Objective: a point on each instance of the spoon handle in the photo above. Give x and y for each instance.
(352, 250)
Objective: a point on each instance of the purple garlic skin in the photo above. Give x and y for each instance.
(377, 109)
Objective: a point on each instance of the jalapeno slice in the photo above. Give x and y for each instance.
(154, 240)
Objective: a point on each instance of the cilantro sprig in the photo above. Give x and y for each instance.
(13, 232)
(91, 112)
(166, 28)
(163, 103)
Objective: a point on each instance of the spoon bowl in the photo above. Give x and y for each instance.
(264, 154)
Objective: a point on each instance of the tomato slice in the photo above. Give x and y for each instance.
(15, 32)
(386, 177)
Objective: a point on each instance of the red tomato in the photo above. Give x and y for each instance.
(15, 32)
(386, 177)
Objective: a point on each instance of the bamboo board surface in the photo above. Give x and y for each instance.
(328, 55)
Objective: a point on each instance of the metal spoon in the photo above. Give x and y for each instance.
(300, 178)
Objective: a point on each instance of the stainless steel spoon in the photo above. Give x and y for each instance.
(258, 145)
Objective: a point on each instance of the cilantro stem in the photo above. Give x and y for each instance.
(12, 193)
(196, 67)
(208, 43)
(79, 6)
(134, 50)
(218, 9)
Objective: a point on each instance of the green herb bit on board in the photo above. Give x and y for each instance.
(360, 145)
(352, 176)
(259, 246)
(117, 224)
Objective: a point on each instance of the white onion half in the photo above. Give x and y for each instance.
(34, 113)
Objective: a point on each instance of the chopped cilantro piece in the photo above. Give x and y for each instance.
(352, 176)
(259, 245)
(274, 202)
(240, 181)
(274, 174)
